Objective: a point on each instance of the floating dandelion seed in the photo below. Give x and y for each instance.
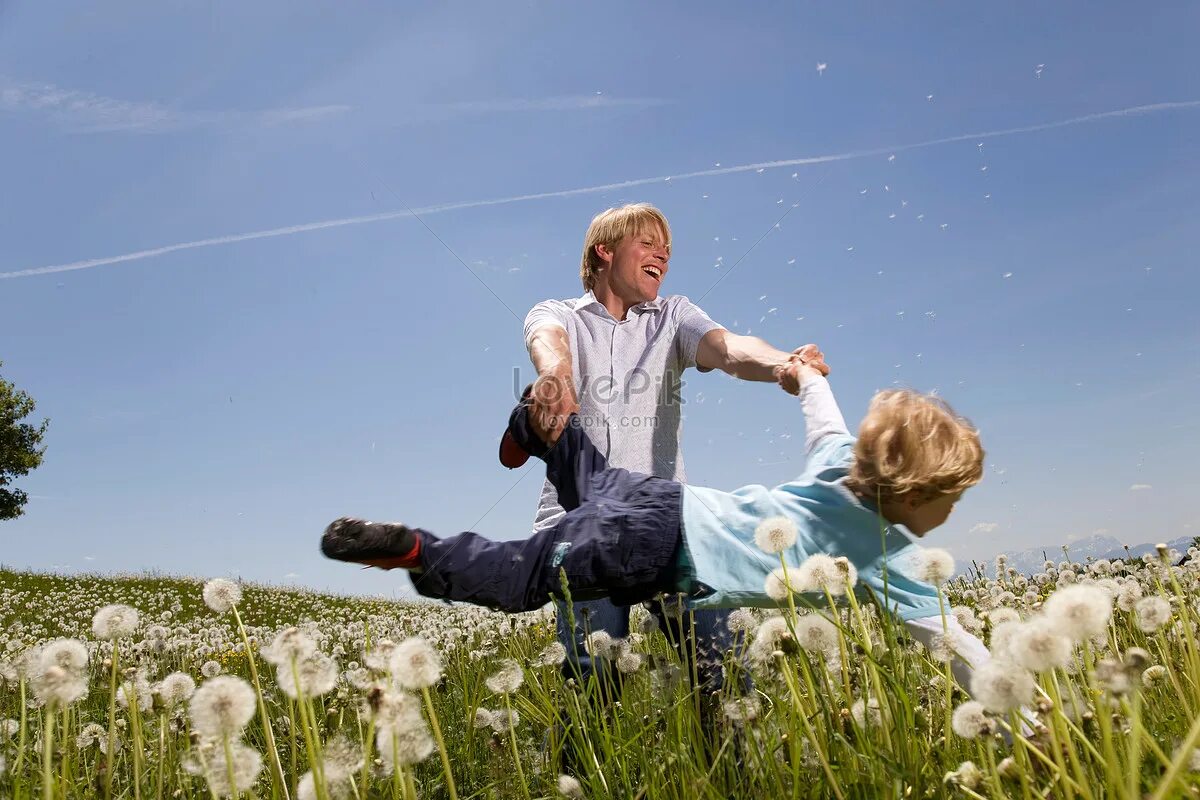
(821, 67)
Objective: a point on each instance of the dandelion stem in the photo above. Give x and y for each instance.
(279, 784)
(441, 743)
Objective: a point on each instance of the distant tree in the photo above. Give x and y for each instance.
(21, 446)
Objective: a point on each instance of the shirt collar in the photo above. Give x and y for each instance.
(589, 300)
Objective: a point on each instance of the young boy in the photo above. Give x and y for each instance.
(630, 536)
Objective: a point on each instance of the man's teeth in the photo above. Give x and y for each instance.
(652, 271)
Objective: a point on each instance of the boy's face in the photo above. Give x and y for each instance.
(637, 265)
(924, 517)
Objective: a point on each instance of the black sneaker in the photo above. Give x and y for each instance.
(383, 544)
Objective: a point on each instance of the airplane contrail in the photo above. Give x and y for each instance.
(153, 252)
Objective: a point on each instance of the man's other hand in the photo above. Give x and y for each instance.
(553, 402)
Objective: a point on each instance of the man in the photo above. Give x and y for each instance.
(616, 357)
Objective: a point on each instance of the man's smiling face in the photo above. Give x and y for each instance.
(637, 265)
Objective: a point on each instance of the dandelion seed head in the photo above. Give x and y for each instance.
(816, 634)
(569, 787)
(821, 572)
(1039, 645)
(934, 565)
(507, 679)
(970, 720)
(1001, 686)
(115, 621)
(403, 747)
(69, 654)
(1080, 611)
(312, 677)
(415, 664)
(222, 706)
(552, 655)
(290, 644)
(176, 688)
(57, 687)
(221, 595)
(244, 766)
(775, 534)
(1152, 612)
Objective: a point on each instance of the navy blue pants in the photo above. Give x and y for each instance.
(619, 538)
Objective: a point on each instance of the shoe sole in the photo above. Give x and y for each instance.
(350, 539)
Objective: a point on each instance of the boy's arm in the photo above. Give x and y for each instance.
(822, 417)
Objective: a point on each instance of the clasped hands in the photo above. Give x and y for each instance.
(804, 361)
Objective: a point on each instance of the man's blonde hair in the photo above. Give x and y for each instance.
(610, 227)
(914, 444)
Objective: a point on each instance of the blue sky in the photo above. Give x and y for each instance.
(214, 405)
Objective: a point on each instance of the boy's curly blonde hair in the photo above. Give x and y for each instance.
(609, 227)
(913, 444)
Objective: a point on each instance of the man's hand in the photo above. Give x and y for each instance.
(792, 375)
(812, 356)
(553, 402)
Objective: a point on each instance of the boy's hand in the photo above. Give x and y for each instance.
(811, 355)
(554, 401)
(792, 375)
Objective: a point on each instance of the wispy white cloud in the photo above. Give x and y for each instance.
(1140, 487)
(580, 102)
(984, 527)
(1155, 108)
(85, 112)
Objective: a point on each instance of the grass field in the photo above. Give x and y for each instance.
(153, 687)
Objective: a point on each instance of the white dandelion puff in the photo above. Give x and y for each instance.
(552, 655)
(817, 635)
(775, 534)
(176, 688)
(934, 565)
(312, 677)
(821, 572)
(290, 644)
(243, 766)
(1002, 687)
(70, 654)
(569, 787)
(970, 720)
(1152, 613)
(1039, 645)
(779, 585)
(1081, 611)
(415, 664)
(221, 595)
(115, 622)
(507, 679)
(222, 706)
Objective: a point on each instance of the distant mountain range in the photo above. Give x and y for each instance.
(1032, 560)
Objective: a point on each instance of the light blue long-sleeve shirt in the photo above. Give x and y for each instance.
(724, 566)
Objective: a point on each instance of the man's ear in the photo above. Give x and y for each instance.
(605, 253)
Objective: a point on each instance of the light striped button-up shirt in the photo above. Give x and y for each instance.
(628, 376)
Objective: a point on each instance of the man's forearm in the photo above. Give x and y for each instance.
(752, 359)
(550, 352)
